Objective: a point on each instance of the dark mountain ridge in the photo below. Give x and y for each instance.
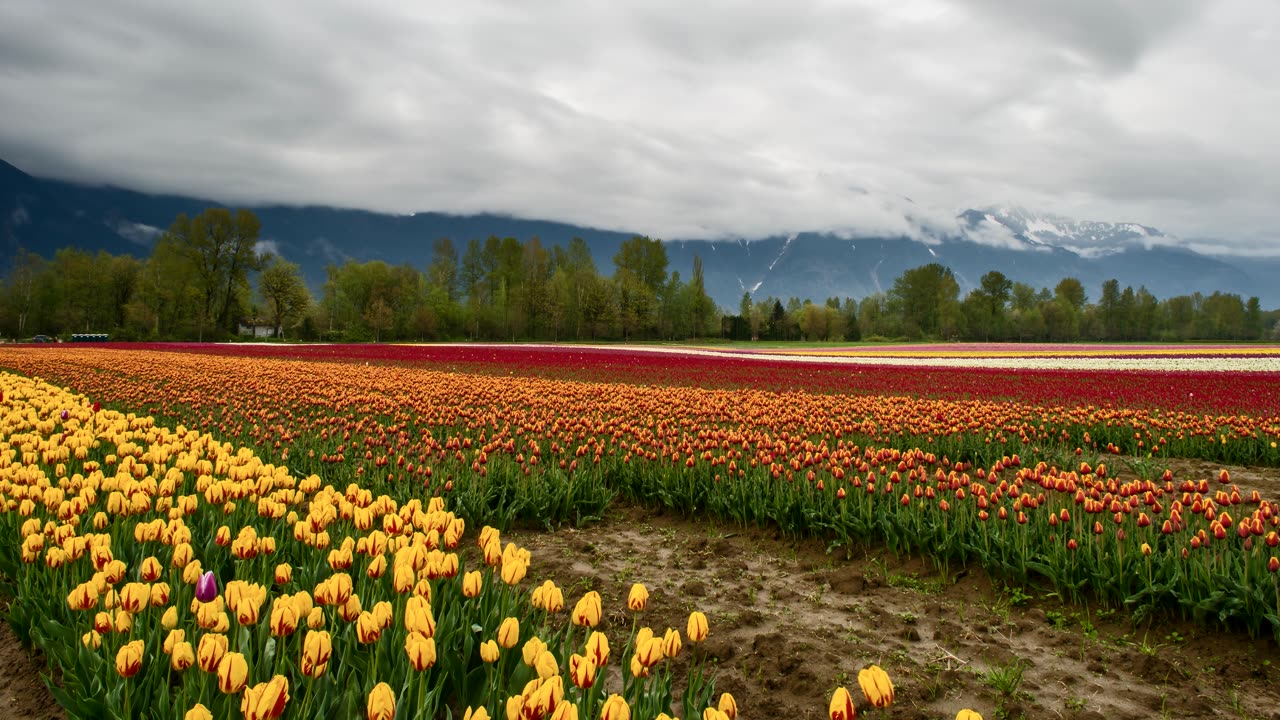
(45, 215)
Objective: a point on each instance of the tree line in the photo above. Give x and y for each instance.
(205, 279)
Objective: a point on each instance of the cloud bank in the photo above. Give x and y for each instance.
(681, 120)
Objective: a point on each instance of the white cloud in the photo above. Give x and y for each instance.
(711, 119)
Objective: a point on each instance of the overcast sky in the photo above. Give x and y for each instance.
(675, 118)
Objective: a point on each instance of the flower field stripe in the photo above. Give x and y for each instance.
(1213, 391)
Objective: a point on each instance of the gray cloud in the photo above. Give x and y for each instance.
(708, 119)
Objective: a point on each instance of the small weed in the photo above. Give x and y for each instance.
(915, 583)
(1237, 706)
(1005, 679)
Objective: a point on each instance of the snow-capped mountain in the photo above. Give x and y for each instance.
(1086, 238)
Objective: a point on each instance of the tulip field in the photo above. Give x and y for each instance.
(269, 531)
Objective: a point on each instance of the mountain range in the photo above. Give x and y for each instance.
(43, 215)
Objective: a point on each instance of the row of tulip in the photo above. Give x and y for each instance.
(411, 413)
(1196, 392)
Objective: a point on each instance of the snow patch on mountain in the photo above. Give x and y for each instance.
(790, 239)
(1019, 228)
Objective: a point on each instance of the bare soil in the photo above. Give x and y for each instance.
(791, 619)
(23, 695)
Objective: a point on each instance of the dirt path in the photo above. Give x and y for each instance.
(23, 695)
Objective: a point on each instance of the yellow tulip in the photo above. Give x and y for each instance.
(582, 671)
(233, 673)
(91, 640)
(509, 633)
(210, 650)
(649, 652)
(546, 665)
(671, 644)
(265, 701)
(315, 618)
(382, 703)
(697, 630)
(587, 612)
(383, 613)
(728, 706)
(182, 555)
(638, 598)
(377, 567)
(317, 648)
(472, 584)
(565, 711)
(876, 686)
(170, 618)
(150, 569)
(184, 656)
(198, 712)
(283, 574)
(489, 651)
(421, 651)
(284, 616)
(842, 706)
(968, 714)
(129, 659)
(478, 714)
(615, 708)
(367, 628)
(514, 569)
(417, 616)
(598, 648)
(83, 597)
(403, 579)
(135, 597)
(533, 647)
(714, 714)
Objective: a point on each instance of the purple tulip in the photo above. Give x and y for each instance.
(65, 415)
(207, 587)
